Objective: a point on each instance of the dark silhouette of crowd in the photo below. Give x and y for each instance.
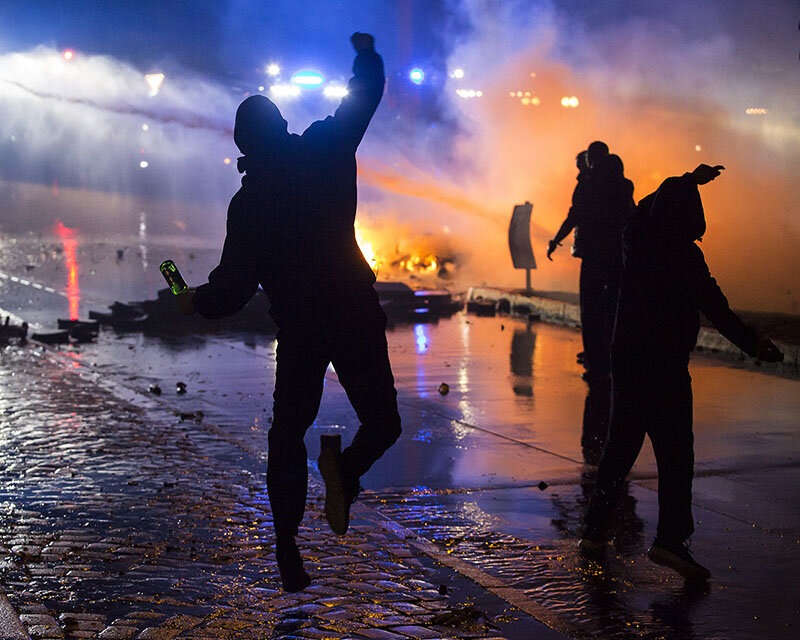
(643, 283)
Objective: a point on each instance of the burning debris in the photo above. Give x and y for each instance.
(400, 253)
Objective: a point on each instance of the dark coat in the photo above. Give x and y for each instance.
(601, 207)
(666, 283)
(290, 226)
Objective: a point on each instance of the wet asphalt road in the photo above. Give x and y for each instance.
(465, 474)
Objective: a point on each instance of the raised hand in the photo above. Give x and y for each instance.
(551, 246)
(362, 40)
(704, 174)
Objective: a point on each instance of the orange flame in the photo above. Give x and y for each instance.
(67, 236)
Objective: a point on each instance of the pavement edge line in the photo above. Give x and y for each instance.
(492, 584)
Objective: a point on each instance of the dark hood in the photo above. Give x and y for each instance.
(676, 214)
(259, 127)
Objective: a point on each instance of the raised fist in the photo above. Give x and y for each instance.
(704, 173)
(362, 41)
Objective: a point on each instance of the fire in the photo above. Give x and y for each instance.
(400, 252)
(67, 236)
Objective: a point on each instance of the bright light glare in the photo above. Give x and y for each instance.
(573, 102)
(697, 147)
(284, 90)
(144, 164)
(227, 160)
(68, 54)
(145, 127)
(154, 81)
(273, 69)
(416, 76)
(756, 111)
(469, 93)
(570, 101)
(335, 91)
(458, 73)
(308, 78)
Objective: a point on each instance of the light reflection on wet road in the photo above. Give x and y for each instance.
(466, 470)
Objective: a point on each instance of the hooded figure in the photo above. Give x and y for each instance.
(602, 203)
(665, 285)
(290, 230)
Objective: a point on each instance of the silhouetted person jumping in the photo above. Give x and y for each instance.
(601, 206)
(290, 229)
(665, 284)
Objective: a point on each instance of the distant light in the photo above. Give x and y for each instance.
(261, 87)
(569, 101)
(519, 94)
(533, 75)
(273, 69)
(284, 90)
(527, 94)
(512, 94)
(145, 127)
(756, 111)
(334, 91)
(308, 79)
(573, 102)
(536, 101)
(227, 160)
(458, 73)
(144, 164)
(468, 93)
(526, 101)
(68, 54)
(416, 76)
(154, 81)
(697, 147)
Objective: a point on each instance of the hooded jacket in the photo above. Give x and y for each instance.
(290, 225)
(666, 283)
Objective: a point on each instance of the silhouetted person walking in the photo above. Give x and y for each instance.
(665, 284)
(290, 229)
(601, 206)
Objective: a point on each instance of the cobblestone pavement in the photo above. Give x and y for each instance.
(122, 521)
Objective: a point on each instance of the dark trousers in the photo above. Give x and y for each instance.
(599, 290)
(658, 404)
(355, 342)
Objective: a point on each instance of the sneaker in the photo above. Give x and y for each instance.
(290, 565)
(339, 494)
(676, 556)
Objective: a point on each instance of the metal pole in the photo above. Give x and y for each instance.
(527, 280)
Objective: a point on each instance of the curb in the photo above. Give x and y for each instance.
(709, 341)
(11, 627)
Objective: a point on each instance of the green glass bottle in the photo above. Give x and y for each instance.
(173, 277)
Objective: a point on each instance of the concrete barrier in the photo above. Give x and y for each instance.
(708, 341)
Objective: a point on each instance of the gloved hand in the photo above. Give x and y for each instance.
(551, 246)
(767, 351)
(704, 174)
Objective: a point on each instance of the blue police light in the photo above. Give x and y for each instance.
(308, 79)
(416, 76)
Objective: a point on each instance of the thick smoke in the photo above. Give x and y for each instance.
(665, 98)
(666, 90)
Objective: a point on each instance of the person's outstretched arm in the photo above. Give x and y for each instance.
(714, 305)
(364, 92)
(231, 284)
(570, 221)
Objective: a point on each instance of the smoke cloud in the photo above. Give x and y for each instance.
(84, 141)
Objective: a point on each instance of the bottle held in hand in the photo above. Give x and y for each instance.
(173, 277)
